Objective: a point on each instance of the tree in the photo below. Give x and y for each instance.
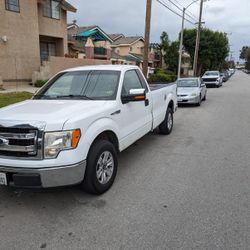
(171, 52)
(214, 48)
(243, 52)
(172, 56)
(247, 58)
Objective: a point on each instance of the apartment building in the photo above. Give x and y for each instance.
(30, 32)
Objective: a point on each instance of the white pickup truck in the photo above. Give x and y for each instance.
(74, 127)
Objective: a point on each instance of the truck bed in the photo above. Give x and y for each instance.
(156, 86)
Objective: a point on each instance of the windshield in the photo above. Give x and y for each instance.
(187, 83)
(94, 85)
(211, 73)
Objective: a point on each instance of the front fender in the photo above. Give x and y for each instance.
(96, 128)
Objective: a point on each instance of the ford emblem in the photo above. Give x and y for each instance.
(3, 141)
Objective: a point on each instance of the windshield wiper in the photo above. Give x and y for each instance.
(74, 96)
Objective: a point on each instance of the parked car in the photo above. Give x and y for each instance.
(232, 71)
(212, 78)
(225, 76)
(191, 91)
(72, 130)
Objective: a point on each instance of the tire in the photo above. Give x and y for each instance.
(198, 104)
(205, 97)
(96, 164)
(166, 126)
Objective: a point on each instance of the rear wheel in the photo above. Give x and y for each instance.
(101, 167)
(166, 126)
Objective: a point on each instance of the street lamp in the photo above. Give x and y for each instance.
(181, 40)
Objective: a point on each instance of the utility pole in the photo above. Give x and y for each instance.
(147, 37)
(181, 43)
(197, 46)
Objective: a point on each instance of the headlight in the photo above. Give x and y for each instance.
(194, 94)
(55, 142)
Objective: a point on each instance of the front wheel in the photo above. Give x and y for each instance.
(166, 126)
(101, 167)
(199, 102)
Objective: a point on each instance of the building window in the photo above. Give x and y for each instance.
(51, 9)
(47, 49)
(12, 5)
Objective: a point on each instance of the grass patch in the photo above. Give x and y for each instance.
(10, 98)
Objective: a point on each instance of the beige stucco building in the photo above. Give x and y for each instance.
(30, 32)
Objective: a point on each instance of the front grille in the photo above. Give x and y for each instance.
(18, 142)
(182, 95)
(210, 79)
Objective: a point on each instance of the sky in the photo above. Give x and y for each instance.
(128, 17)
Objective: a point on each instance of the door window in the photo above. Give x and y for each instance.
(131, 81)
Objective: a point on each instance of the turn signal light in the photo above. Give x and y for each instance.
(76, 135)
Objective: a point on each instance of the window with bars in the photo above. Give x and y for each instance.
(12, 5)
(51, 9)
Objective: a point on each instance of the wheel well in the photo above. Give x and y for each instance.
(109, 136)
(171, 105)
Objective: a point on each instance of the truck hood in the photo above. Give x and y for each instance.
(52, 113)
(186, 91)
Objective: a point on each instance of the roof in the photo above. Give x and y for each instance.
(87, 31)
(67, 6)
(137, 56)
(127, 40)
(77, 45)
(115, 37)
(103, 67)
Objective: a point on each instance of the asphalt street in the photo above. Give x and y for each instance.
(189, 190)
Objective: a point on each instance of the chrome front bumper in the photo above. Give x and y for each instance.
(45, 177)
(188, 99)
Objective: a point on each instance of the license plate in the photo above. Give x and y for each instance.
(3, 179)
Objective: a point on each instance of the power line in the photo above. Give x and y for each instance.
(181, 8)
(196, 18)
(176, 13)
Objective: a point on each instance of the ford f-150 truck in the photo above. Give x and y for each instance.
(74, 127)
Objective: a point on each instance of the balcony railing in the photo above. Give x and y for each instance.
(100, 51)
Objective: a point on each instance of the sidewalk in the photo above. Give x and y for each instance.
(22, 88)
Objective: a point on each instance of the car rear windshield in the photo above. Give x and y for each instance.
(187, 83)
(90, 85)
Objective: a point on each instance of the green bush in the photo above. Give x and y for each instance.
(161, 76)
(40, 83)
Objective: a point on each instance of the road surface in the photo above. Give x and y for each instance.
(189, 190)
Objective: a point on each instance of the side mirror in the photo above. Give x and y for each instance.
(135, 95)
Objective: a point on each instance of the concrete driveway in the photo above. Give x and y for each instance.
(189, 190)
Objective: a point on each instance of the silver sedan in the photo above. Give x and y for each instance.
(191, 91)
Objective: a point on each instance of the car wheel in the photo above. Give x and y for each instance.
(166, 126)
(199, 102)
(205, 97)
(101, 167)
